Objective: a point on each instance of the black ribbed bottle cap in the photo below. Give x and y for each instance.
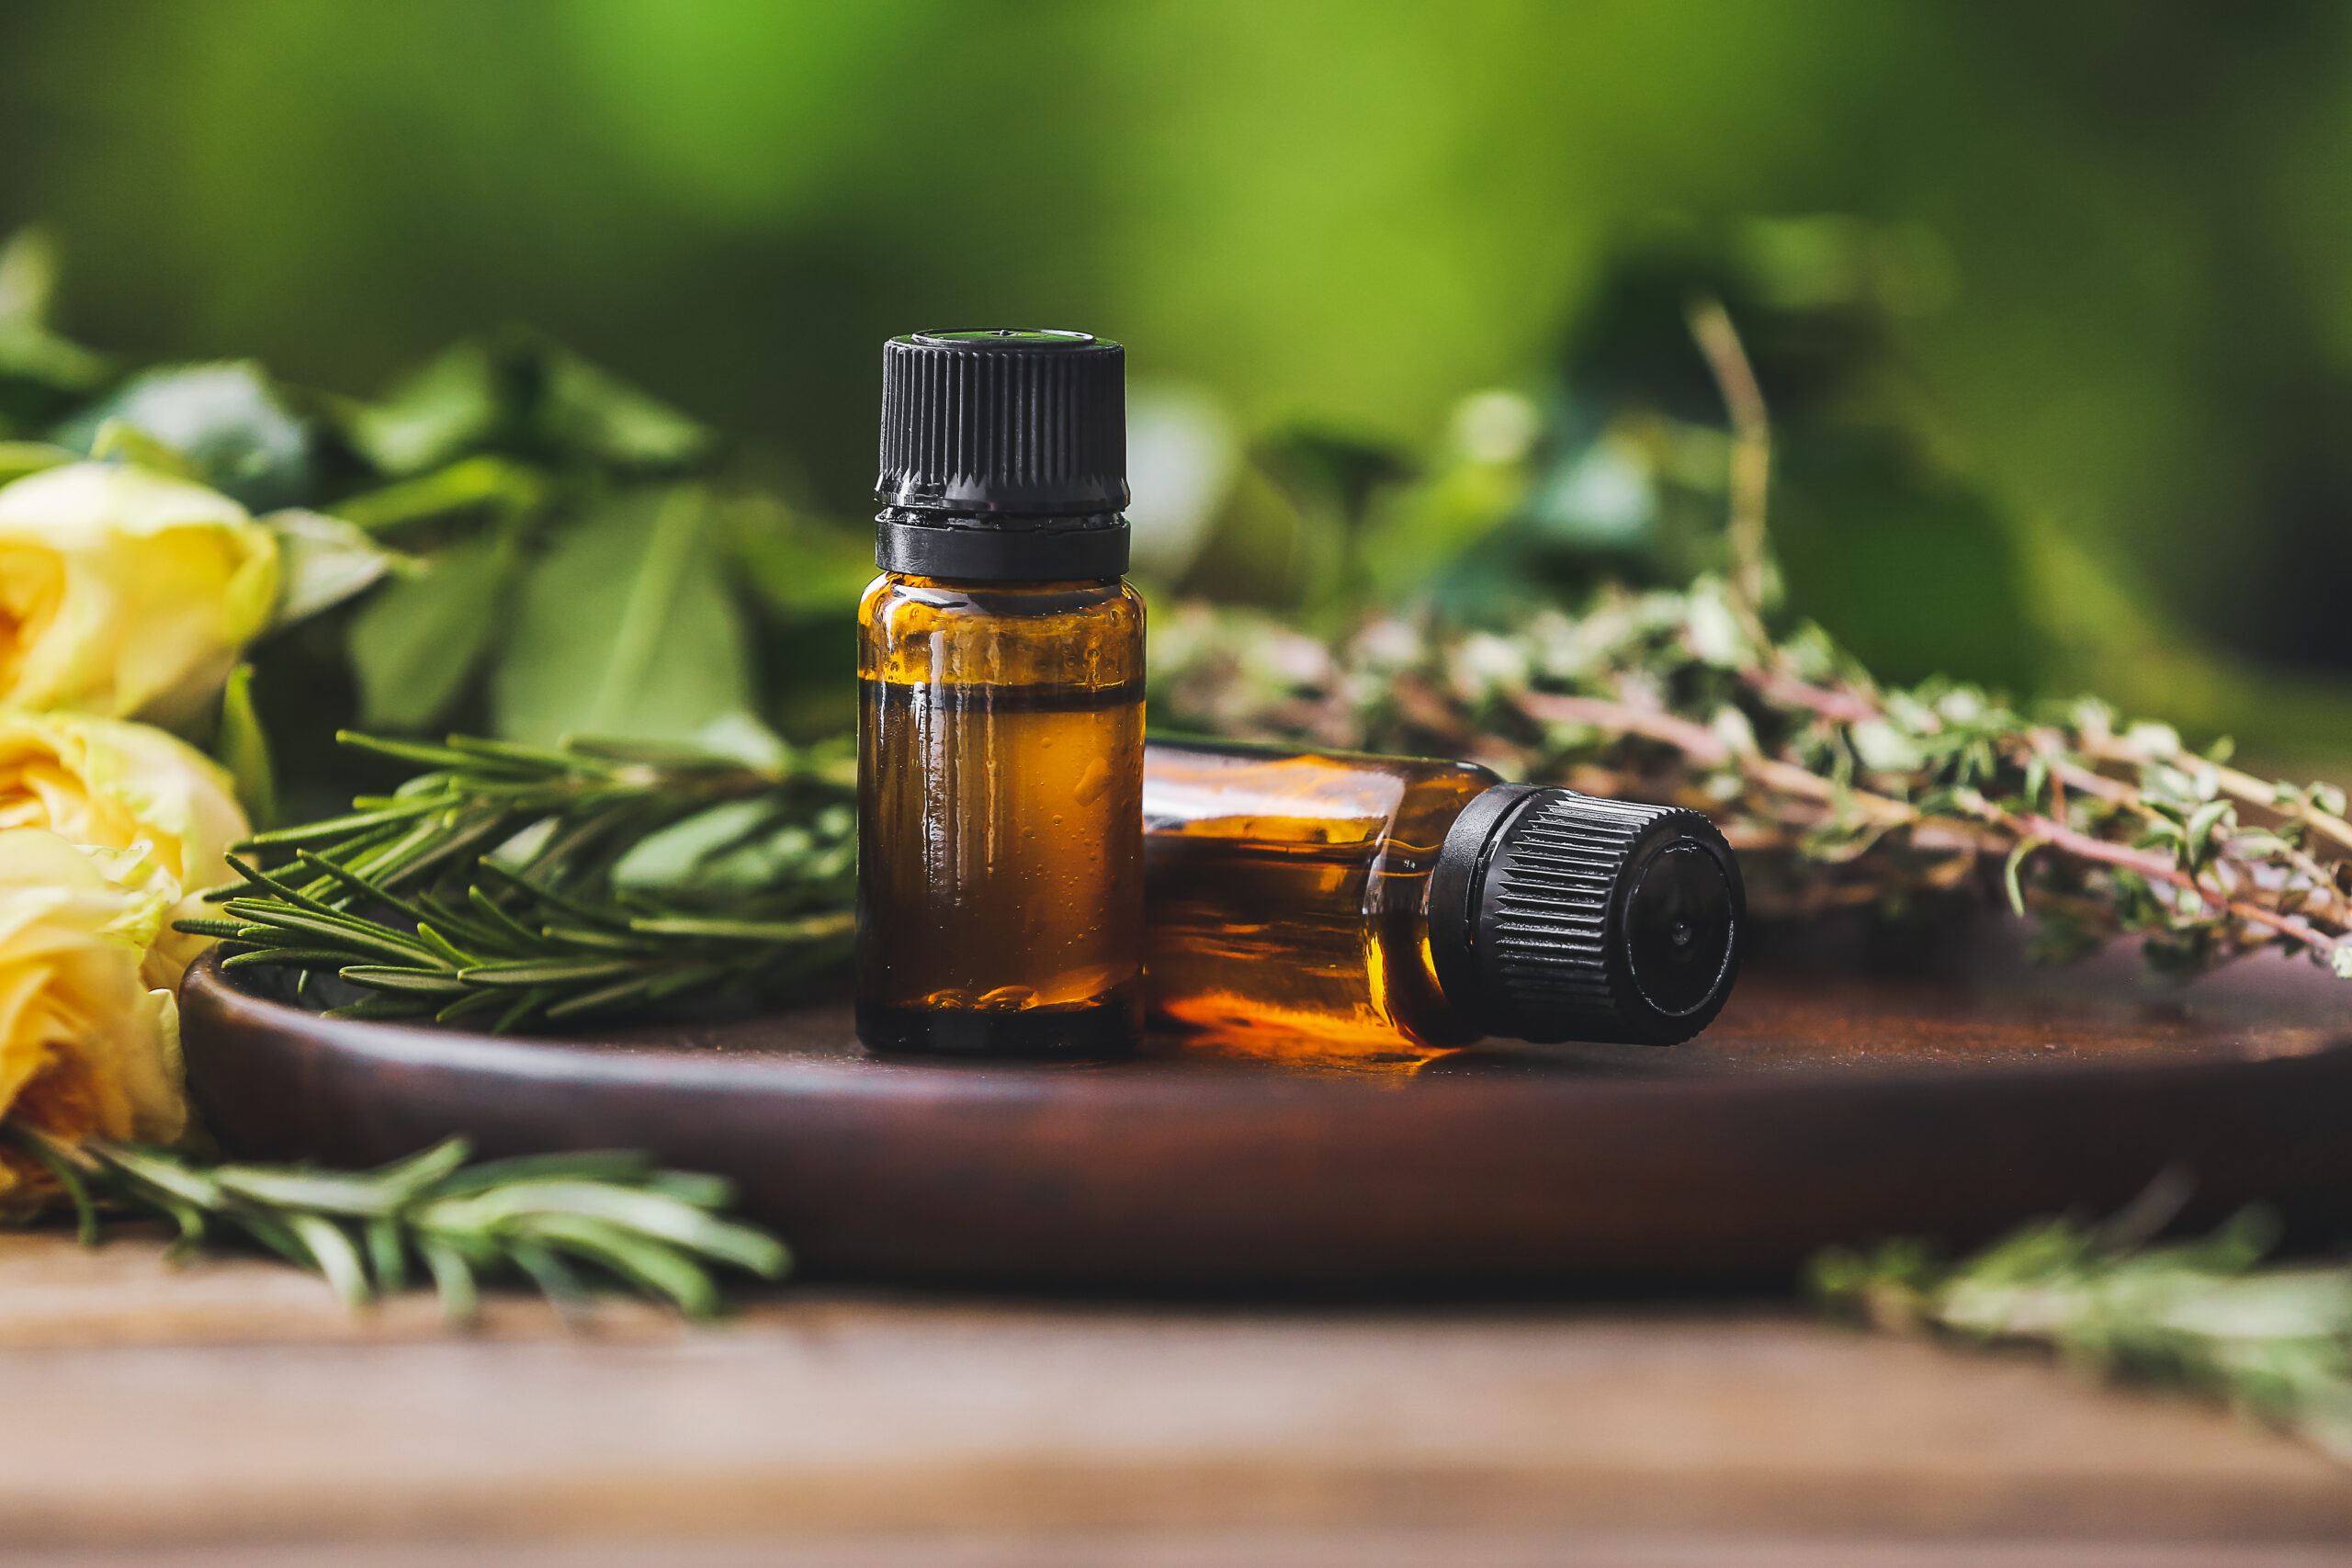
(1004, 456)
(1557, 916)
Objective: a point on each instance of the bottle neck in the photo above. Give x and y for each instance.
(1456, 886)
(997, 548)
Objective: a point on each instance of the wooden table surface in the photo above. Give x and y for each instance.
(233, 1414)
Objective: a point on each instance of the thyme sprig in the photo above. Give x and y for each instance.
(1838, 791)
(2275, 1343)
(513, 885)
(545, 1217)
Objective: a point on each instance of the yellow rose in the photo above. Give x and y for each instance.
(118, 786)
(125, 592)
(86, 1047)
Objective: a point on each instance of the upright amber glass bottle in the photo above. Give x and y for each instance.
(1386, 902)
(1001, 717)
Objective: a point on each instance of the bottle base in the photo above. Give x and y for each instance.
(1108, 1028)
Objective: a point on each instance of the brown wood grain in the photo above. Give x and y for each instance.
(1453, 1547)
(1071, 1432)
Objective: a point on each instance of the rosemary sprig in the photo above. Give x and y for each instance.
(372, 1233)
(2275, 1343)
(513, 885)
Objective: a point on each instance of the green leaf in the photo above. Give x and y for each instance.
(387, 1254)
(521, 390)
(548, 972)
(28, 350)
(737, 847)
(435, 1163)
(589, 412)
(297, 957)
(58, 1161)
(28, 277)
(483, 483)
(553, 1276)
(210, 928)
(339, 826)
(2201, 823)
(450, 406)
(242, 748)
(653, 1268)
(703, 1190)
(836, 923)
(115, 441)
(625, 629)
(323, 560)
(581, 1165)
(18, 459)
(224, 421)
(453, 1278)
(328, 1192)
(418, 982)
(649, 1213)
(272, 1231)
(795, 564)
(2009, 873)
(414, 644)
(354, 934)
(166, 1172)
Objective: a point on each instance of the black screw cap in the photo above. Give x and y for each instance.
(1557, 916)
(1004, 455)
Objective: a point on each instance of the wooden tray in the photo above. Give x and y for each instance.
(1841, 1096)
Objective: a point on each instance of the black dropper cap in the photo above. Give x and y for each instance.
(1557, 916)
(1004, 456)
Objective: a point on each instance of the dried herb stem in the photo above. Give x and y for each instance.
(1751, 459)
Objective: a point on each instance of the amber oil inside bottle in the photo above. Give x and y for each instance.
(1327, 903)
(1000, 864)
(1287, 894)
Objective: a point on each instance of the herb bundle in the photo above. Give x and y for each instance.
(1837, 793)
(541, 1216)
(519, 884)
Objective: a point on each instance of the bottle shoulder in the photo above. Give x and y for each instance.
(933, 599)
(923, 630)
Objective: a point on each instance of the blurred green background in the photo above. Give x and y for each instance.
(2052, 302)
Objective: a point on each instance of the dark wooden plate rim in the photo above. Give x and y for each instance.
(557, 1059)
(1170, 1173)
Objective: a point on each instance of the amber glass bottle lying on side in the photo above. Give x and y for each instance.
(1385, 902)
